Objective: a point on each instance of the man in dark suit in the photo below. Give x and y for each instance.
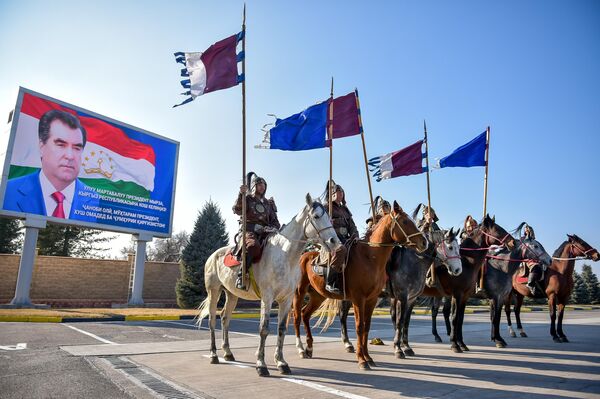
(55, 190)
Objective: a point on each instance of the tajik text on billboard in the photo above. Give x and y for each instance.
(73, 166)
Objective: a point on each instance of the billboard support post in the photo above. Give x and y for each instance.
(32, 228)
(138, 272)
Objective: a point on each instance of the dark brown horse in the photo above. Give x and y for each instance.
(473, 251)
(364, 279)
(557, 284)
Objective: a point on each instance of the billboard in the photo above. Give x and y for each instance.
(73, 166)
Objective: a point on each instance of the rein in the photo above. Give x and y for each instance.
(580, 257)
(407, 237)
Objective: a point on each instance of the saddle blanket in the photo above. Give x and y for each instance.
(231, 260)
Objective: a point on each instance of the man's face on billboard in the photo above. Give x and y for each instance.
(61, 154)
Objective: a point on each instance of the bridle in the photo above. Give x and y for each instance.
(309, 220)
(446, 256)
(501, 241)
(526, 247)
(407, 237)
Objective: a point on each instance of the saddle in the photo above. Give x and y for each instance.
(232, 260)
(320, 263)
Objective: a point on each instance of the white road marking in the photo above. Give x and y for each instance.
(91, 335)
(298, 381)
(16, 347)
(204, 328)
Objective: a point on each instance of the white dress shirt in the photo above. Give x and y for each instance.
(47, 191)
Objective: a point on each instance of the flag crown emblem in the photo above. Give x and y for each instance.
(98, 163)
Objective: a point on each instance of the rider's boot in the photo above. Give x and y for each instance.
(333, 281)
(239, 283)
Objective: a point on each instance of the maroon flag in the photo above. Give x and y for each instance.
(404, 162)
(346, 117)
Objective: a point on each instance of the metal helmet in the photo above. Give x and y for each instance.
(331, 188)
(252, 180)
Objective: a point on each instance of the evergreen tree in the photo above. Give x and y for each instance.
(10, 236)
(591, 284)
(209, 235)
(60, 240)
(579, 294)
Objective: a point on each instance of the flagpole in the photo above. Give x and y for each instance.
(362, 136)
(244, 266)
(485, 178)
(427, 166)
(329, 194)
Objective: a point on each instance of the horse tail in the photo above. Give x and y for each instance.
(203, 310)
(329, 308)
(210, 279)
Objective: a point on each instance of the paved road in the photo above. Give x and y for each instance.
(168, 358)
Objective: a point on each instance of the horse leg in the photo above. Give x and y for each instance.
(435, 307)
(407, 349)
(461, 320)
(265, 314)
(500, 342)
(552, 309)
(561, 312)
(518, 305)
(448, 304)
(230, 304)
(454, 326)
(361, 342)
(344, 310)
(507, 304)
(284, 310)
(213, 299)
(399, 314)
(313, 304)
(299, 295)
(370, 307)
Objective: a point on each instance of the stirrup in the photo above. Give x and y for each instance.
(333, 289)
(239, 284)
(478, 289)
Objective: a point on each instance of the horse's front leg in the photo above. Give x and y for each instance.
(361, 342)
(461, 321)
(446, 312)
(299, 294)
(559, 327)
(435, 307)
(213, 299)
(400, 310)
(507, 304)
(230, 304)
(552, 309)
(284, 311)
(344, 310)
(407, 349)
(265, 314)
(454, 325)
(369, 308)
(518, 304)
(498, 340)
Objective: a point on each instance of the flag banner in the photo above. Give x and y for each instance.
(211, 70)
(466, 156)
(405, 162)
(110, 173)
(346, 116)
(299, 132)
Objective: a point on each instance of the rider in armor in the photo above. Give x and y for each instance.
(344, 226)
(382, 208)
(261, 220)
(469, 226)
(428, 223)
(533, 273)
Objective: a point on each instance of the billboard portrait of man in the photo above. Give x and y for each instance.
(55, 190)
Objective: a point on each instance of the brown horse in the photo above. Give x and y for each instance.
(364, 279)
(558, 284)
(473, 251)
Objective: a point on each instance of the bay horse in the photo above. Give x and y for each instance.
(473, 250)
(364, 279)
(407, 271)
(557, 284)
(273, 278)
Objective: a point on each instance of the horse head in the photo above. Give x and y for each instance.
(448, 252)
(582, 248)
(317, 225)
(492, 234)
(403, 229)
(533, 251)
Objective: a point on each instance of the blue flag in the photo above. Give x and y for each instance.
(470, 154)
(305, 130)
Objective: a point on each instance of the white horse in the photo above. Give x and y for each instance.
(276, 276)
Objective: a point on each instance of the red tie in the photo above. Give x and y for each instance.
(59, 211)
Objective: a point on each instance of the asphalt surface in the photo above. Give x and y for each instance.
(168, 359)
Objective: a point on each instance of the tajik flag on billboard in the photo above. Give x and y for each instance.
(111, 160)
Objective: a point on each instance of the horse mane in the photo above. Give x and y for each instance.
(560, 249)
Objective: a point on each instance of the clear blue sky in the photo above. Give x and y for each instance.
(530, 70)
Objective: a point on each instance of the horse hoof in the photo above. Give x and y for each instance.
(513, 334)
(557, 340)
(500, 344)
(364, 366)
(309, 354)
(229, 358)
(400, 355)
(409, 352)
(214, 360)
(437, 338)
(464, 348)
(284, 369)
(350, 349)
(456, 349)
(303, 355)
(262, 371)
(522, 334)
(564, 339)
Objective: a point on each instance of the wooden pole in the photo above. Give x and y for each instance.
(427, 166)
(487, 162)
(244, 266)
(362, 136)
(329, 194)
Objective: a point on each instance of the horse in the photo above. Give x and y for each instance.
(557, 283)
(364, 278)
(407, 271)
(473, 250)
(273, 278)
(500, 266)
